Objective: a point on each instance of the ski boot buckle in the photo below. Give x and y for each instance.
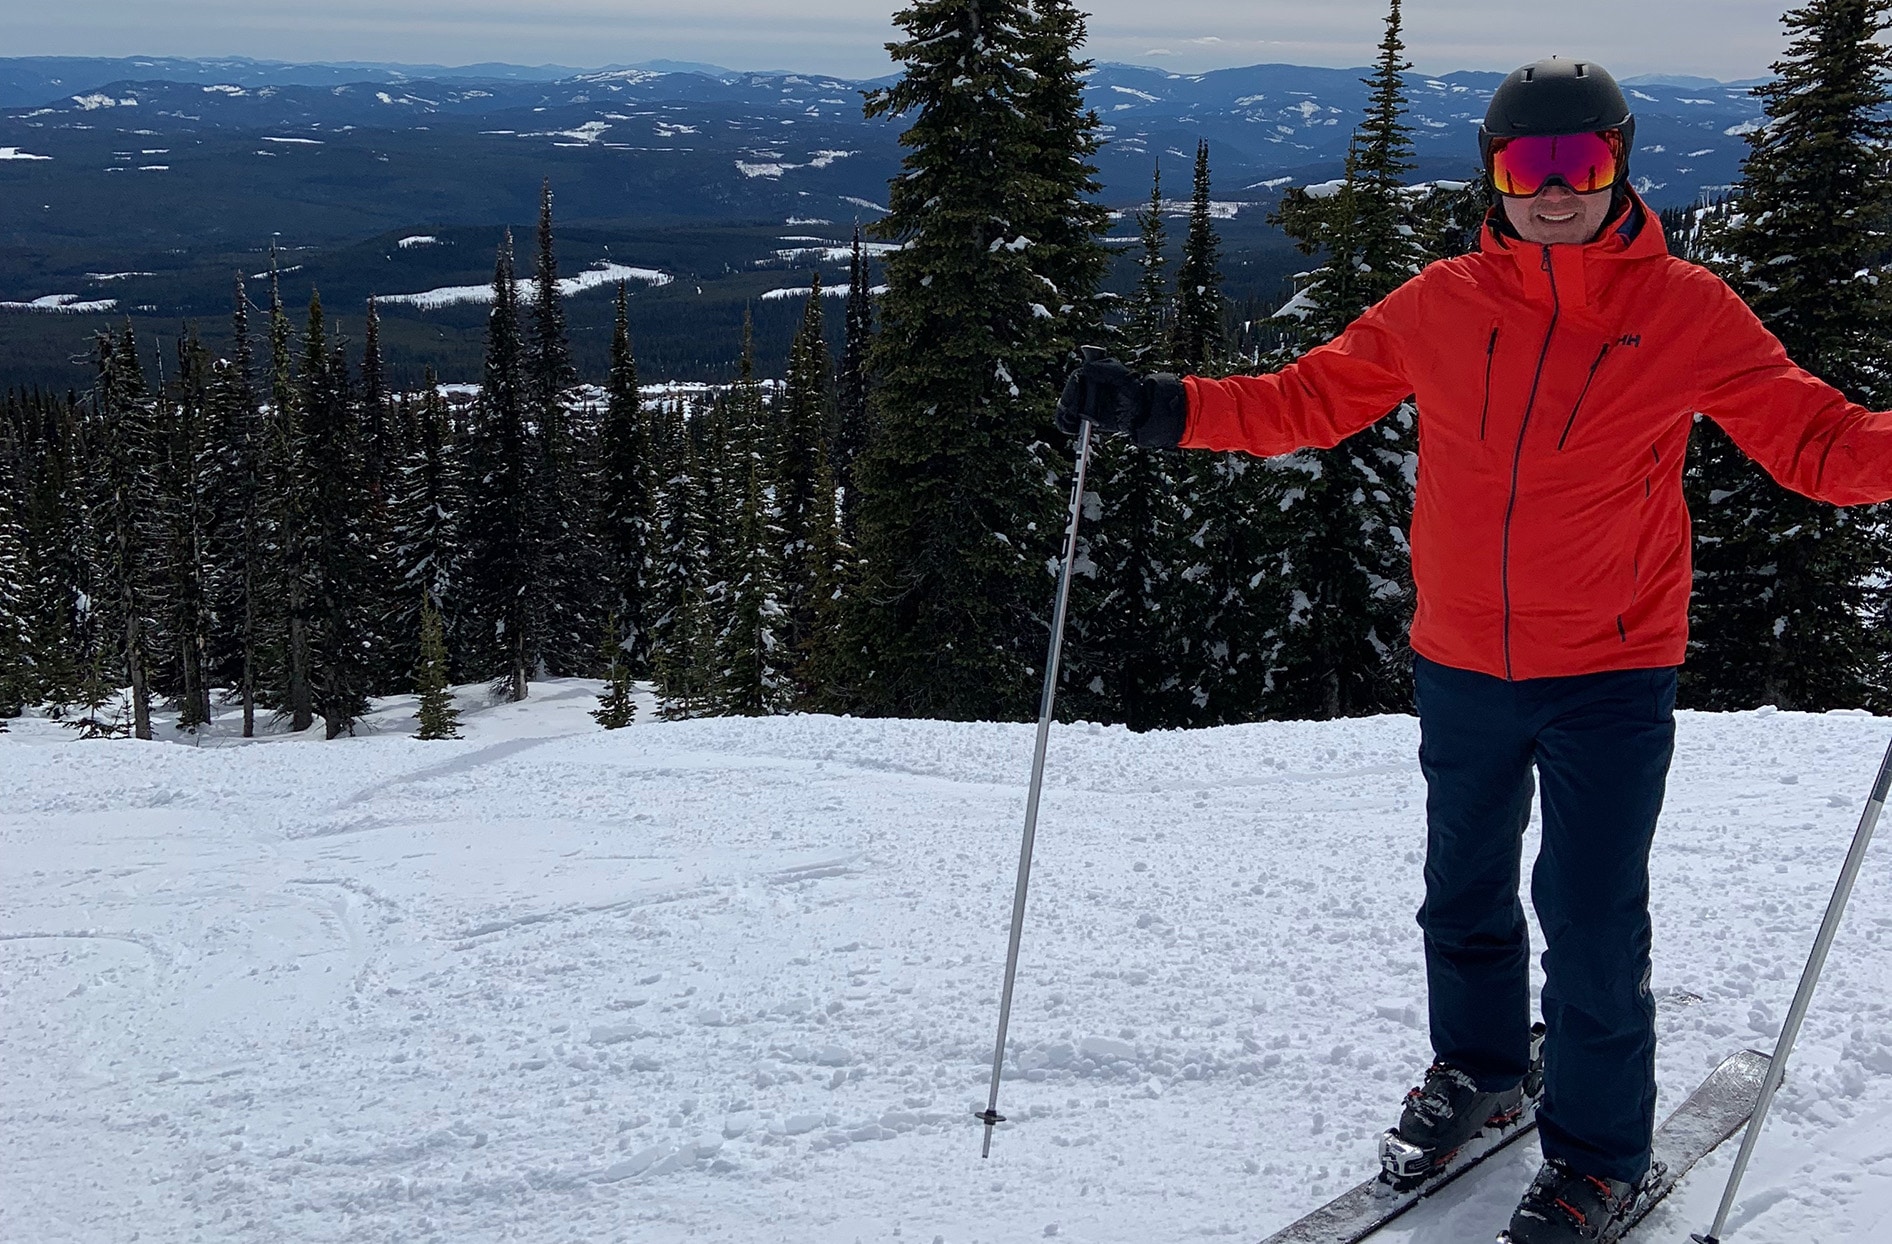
(1402, 1163)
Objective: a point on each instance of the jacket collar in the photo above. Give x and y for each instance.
(1571, 271)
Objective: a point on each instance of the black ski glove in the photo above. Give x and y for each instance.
(1152, 410)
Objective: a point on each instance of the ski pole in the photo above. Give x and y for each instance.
(1835, 909)
(991, 1117)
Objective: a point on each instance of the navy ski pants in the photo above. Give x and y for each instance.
(1600, 744)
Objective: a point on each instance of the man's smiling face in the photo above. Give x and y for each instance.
(1557, 214)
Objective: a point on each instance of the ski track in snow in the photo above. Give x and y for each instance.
(737, 980)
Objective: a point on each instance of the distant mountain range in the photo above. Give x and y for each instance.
(141, 184)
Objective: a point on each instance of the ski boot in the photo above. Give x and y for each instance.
(1564, 1207)
(1447, 1111)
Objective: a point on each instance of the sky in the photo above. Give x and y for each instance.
(1727, 39)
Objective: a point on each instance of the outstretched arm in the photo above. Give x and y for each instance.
(1800, 429)
(1317, 401)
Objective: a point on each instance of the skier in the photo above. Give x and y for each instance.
(1557, 372)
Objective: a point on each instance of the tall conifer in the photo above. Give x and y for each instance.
(851, 427)
(1340, 516)
(501, 456)
(337, 508)
(958, 497)
(1788, 592)
(564, 574)
(802, 420)
(122, 445)
(626, 487)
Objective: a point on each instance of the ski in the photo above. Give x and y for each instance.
(1712, 1113)
(1371, 1204)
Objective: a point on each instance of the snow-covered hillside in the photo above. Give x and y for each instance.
(736, 980)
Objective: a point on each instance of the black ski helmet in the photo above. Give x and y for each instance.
(1558, 96)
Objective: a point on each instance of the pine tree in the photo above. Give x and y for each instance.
(958, 496)
(239, 521)
(50, 495)
(337, 509)
(1788, 604)
(753, 655)
(1196, 329)
(682, 641)
(1073, 260)
(1217, 638)
(563, 608)
(501, 455)
(184, 477)
(386, 604)
(16, 678)
(802, 419)
(1342, 601)
(1123, 655)
(122, 444)
(290, 546)
(851, 425)
(626, 487)
(439, 719)
(428, 505)
(616, 709)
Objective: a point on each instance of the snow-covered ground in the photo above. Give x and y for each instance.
(736, 980)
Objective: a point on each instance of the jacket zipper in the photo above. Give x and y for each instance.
(1517, 459)
(1491, 352)
(1587, 380)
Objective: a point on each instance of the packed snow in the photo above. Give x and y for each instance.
(602, 273)
(737, 979)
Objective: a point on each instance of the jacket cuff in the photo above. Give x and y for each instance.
(1162, 427)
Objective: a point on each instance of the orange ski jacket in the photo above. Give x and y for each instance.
(1556, 386)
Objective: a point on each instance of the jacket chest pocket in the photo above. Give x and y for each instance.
(1575, 414)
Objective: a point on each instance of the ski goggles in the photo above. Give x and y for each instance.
(1522, 166)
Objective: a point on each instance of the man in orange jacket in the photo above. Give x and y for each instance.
(1557, 372)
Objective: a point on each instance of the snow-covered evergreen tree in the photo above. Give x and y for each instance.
(501, 567)
(1788, 592)
(851, 419)
(565, 573)
(1122, 657)
(958, 498)
(16, 677)
(754, 661)
(428, 503)
(1072, 259)
(683, 647)
(439, 719)
(801, 454)
(237, 540)
(616, 709)
(627, 484)
(338, 504)
(184, 478)
(122, 442)
(1339, 559)
(1218, 638)
(289, 539)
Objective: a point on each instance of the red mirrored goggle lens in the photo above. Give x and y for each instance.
(1520, 167)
